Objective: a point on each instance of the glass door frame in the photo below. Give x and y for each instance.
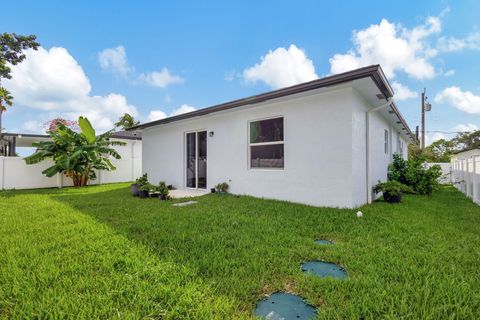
(196, 132)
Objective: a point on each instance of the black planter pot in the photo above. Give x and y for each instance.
(392, 198)
(134, 189)
(143, 194)
(162, 197)
(212, 190)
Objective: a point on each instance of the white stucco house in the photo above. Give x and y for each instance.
(324, 143)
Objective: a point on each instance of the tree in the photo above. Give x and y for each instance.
(12, 48)
(52, 125)
(126, 122)
(76, 154)
(467, 140)
(439, 151)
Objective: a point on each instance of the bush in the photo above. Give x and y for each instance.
(163, 190)
(222, 187)
(147, 187)
(142, 180)
(394, 188)
(415, 174)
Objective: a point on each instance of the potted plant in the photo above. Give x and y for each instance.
(392, 190)
(135, 187)
(221, 188)
(163, 191)
(144, 190)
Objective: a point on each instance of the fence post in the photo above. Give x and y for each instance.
(2, 173)
(474, 180)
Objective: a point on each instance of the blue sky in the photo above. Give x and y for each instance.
(105, 58)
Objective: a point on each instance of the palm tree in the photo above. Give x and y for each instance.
(126, 122)
(77, 155)
(6, 99)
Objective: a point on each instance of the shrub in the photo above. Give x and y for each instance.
(142, 180)
(147, 187)
(222, 187)
(415, 174)
(163, 190)
(392, 187)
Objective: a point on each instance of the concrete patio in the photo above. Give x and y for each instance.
(187, 193)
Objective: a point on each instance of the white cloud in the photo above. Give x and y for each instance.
(465, 101)
(230, 75)
(159, 114)
(403, 92)
(156, 115)
(465, 127)
(431, 138)
(33, 126)
(449, 73)
(392, 46)
(52, 81)
(452, 44)
(114, 59)
(282, 68)
(182, 109)
(161, 79)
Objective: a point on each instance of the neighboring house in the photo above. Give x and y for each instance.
(465, 154)
(16, 174)
(325, 142)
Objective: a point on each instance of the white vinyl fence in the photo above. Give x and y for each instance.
(446, 177)
(16, 174)
(466, 177)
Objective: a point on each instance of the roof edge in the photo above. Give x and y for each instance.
(374, 71)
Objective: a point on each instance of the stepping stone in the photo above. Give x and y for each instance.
(324, 242)
(284, 306)
(183, 204)
(324, 269)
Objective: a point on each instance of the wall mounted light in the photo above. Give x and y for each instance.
(211, 133)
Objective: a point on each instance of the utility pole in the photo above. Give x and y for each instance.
(423, 119)
(426, 106)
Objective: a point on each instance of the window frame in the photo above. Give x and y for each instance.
(258, 144)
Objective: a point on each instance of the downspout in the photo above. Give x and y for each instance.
(367, 147)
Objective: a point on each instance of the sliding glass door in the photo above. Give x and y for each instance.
(196, 164)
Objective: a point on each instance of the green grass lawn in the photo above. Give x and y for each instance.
(97, 252)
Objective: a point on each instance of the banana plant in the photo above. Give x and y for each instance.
(76, 154)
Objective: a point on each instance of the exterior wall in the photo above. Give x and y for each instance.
(466, 154)
(317, 135)
(16, 174)
(379, 159)
(325, 150)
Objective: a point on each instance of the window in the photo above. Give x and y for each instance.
(386, 142)
(266, 143)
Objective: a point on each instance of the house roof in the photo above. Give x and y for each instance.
(26, 139)
(465, 150)
(374, 72)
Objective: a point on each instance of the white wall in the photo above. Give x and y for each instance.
(16, 174)
(379, 159)
(317, 133)
(325, 162)
(446, 167)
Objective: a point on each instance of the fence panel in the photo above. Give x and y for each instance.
(16, 174)
(466, 177)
